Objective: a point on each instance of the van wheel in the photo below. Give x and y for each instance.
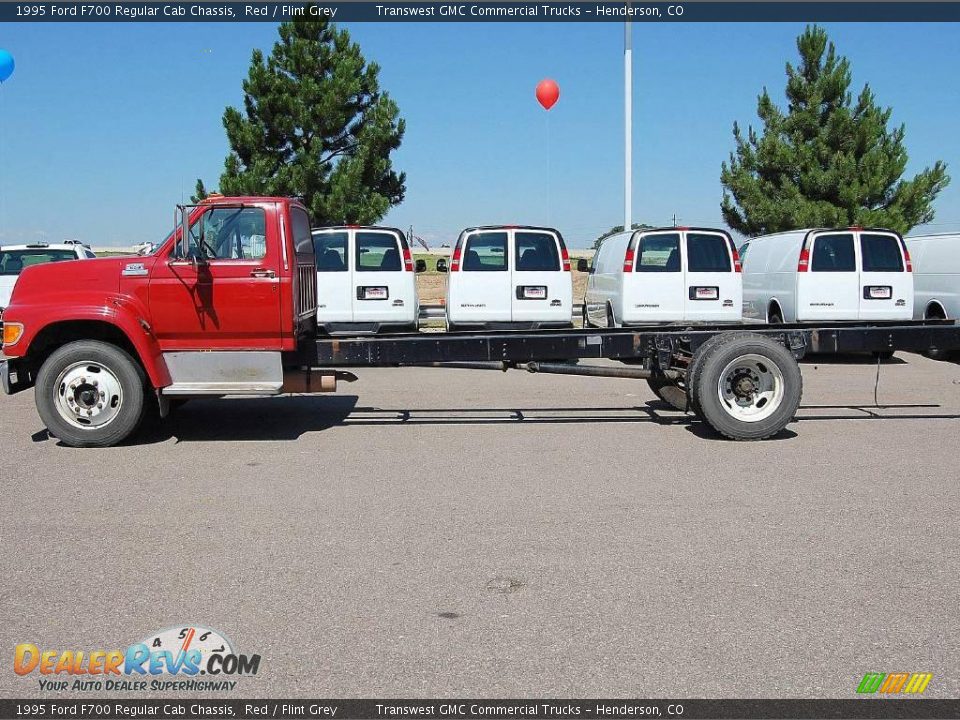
(670, 392)
(611, 322)
(90, 394)
(776, 318)
(749, 387)
(585, 322)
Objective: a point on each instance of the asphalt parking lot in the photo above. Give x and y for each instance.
(467, 533)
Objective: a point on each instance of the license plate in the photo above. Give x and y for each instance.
(704, 293)
(372, 293)
(879, 292)
(534, 292)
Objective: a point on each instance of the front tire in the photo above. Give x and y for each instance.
(90, 394)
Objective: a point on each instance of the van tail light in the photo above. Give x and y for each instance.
(628, 260)
(803, 264)
(737, 266)
(407, 260)
(565, 256)
(455, 260)
(906, 256)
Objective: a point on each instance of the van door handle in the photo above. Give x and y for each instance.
(262, 273)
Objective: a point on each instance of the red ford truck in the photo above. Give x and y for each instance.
(226, 305)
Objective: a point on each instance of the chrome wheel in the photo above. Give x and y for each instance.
(88, 395)
(751, 388)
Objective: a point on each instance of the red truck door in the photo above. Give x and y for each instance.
(226, 294)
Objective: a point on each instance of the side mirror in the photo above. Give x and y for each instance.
(583, 265)
(421, 265)
(181, 247)
(442, 265)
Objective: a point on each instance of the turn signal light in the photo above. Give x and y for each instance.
(12, 332)
(804, 263)
(628, 260)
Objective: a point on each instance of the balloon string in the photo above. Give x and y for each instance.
(549, 174)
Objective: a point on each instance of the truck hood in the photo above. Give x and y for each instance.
(66, 282)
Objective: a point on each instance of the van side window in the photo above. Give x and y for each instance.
(833, 253)
(707, 253)
(536, 251)
(659, 253)
(881, 253)
(331, 251)
(486, 251)
(378, 252)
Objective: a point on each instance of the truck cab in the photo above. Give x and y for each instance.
(218, 308)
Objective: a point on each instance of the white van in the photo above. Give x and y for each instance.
(510, 277)
(663, 275)
(366, 280)
(936, 276)
(822, 275)
(14, 258)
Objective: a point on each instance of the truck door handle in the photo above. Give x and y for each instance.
(262, 273)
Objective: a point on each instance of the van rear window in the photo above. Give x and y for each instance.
(881, 253)
(833, 253)
(378, 252)
(536, 251)
(658, 253)
(12, 262)
(331, 251)
(485, 252)
(708, 253)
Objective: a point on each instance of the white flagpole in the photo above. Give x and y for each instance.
(627, 124)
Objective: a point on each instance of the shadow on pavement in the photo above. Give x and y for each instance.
(287, 418)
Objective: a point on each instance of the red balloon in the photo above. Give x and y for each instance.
(548, 92)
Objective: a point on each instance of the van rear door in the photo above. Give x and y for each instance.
(334, 283)
(653, 289)
(828, 283)
(480, 282)
(542, 291)
(714, 289)
(886, 285)
(382, 277)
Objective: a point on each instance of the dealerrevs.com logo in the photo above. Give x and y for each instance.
(894, 683)
(172, 659)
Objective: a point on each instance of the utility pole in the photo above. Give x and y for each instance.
(627, 123)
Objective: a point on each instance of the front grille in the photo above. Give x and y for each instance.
(307, 289)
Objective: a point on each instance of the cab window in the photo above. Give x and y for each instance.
(229, 234)
(658, 253)
(536, 251)
(377, 252)
(331, 251)
(833, 253)
(881, 253)
(485, 252)
(302, 239)
(708, 253)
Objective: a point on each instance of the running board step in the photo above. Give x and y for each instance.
(221, 388)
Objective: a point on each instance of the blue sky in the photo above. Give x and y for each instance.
(104, 127)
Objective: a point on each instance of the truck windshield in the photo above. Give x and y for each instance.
(12, 262)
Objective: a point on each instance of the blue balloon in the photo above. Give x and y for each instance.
(6, 65)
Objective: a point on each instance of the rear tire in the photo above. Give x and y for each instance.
(611, 321)
(749, 387)
(90, 394)
(696, 365)
(670, 392)
(775, 318)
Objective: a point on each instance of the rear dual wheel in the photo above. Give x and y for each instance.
(745, 386)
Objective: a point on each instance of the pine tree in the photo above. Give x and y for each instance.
(315, 125)
(826, 162)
